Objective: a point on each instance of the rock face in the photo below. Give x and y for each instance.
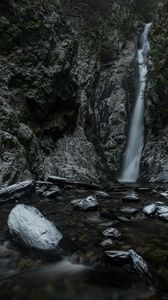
(64, 87)
(30, 228)
(53, 85)
(154, 165)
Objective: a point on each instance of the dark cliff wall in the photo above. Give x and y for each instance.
(155, 155)
(63, 86)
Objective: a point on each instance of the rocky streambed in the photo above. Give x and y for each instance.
(112, 243)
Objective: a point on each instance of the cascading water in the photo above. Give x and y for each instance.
(132, 155)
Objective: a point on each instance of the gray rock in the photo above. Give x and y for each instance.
(110, 223)
(108, 243)
(124, 219)
(117, 256)
(140, 266)
(164, 194)
(102, 195)
(111, 232)
(52, 192)
(129, 210)
(162, 212)
(30, 228)
(89, 203)
(131, 197)
(150, 209)
(132, 258)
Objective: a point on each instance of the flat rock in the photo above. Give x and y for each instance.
(89, 203)
(29, 227)
(131, 197)
(102, 195)
(111, 232)
(129, 210)
(16, 189)
(142, 189)
(117, 256)
(124, 219)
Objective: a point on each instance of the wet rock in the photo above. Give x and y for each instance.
(124, 219)
(108, 243)
(102, 195)
(89, 203)
(142, 189)
(129, 210)
(162, 212)
(131, 197)
(111, 232)
(118, 257)
(158, 208)
(52, 192)
(164, 194)
(42, 186)
(15, 190)
(111, 223)
(149, 209)
(140, 266)
(133, 259)
(41, 189)
(139, 217)
(30, 228)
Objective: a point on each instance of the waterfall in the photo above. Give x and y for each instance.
(132, 155)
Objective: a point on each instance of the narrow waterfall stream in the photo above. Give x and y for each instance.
(132, 155)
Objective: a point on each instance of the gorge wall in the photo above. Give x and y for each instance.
(154, 164)
(66, 80)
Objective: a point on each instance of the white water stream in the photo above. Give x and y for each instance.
(132, 155)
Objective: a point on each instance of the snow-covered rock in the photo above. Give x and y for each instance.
(150, 209)
(129, 210)
(107, 243)
(132, 197)
(28, 226)
(111, 232)
(132, 258)
(140, 266)
(117, 256)
(102, 195)
(89, 203)
(15, 189)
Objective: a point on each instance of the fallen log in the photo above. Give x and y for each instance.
(62, 182)
(13, 191)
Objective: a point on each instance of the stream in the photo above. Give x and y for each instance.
(82, 273)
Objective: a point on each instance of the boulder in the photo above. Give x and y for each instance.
(27, 226)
